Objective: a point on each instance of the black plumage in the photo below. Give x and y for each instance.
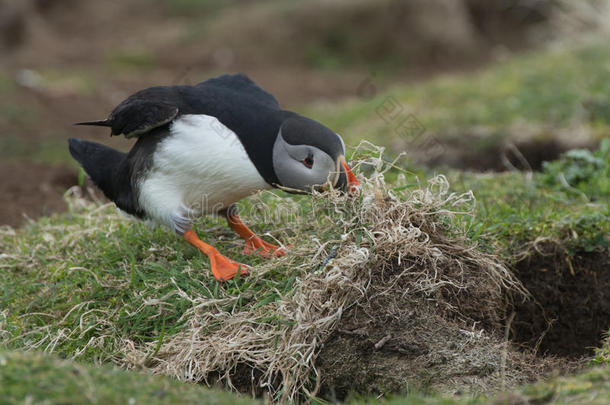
(252, 113)
(108, 169)
(148, 114)
(117, 173)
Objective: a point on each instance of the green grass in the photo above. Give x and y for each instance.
(132, 60)
(85, 283)
(568, 202)
(192, 8)
(44, 151)
(7, 86)
(34, 378)
(77, 81)
(602, 354)
(540, 94)
(16, 116)
(78, 270)
(589, 387)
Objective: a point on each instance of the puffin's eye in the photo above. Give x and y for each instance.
(308, 161)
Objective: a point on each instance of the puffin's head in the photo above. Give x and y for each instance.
(307, 155)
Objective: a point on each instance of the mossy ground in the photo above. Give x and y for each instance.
(37, 378)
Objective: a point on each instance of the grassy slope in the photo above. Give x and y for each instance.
(81, 282)
(44, 379)
(543, 92)
(69, 275)
(85, 282)
(590, 387)
(65, 276)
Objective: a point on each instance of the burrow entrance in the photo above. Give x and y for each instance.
(493, 154)
(389, 351)
(570, 310)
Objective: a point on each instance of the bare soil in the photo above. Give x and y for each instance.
(570, 310)
(32, 190)
(379, 353)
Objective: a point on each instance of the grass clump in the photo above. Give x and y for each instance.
(581, 171)
(602, 354)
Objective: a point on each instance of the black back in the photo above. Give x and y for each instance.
(252, 113)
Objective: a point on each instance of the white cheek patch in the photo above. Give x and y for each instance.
(290, 170)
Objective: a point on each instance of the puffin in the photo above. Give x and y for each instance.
(200, 149)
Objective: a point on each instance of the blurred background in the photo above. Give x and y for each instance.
(344, 62)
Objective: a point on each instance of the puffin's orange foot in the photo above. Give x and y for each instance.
(224, 268)
(256, 245)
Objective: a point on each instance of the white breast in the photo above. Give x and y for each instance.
(199, 169)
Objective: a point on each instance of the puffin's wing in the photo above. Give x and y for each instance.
(137, 117)
(156, 106)
(242, 84)
(134, 117)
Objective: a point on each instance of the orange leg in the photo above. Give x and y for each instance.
(253, 242)
(223, 268)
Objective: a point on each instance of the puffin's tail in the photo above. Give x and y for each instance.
(101, 163)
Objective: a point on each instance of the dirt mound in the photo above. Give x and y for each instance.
(415, 349)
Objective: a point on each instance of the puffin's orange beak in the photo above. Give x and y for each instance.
(352, 183)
